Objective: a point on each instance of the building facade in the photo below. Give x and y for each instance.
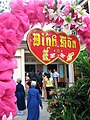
(27, 62)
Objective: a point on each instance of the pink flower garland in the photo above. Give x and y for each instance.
(14, 25)
(12, 30)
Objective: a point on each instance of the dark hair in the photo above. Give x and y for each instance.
(48, 75)
(45, 74)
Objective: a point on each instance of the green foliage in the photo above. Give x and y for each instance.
(68, 114)
(82, 64)
(68, 19)
(71, 103)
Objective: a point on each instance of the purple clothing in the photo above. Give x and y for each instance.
(34, 100)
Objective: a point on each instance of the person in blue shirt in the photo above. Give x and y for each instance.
(33, 102)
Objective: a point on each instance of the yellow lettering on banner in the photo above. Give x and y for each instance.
(73, 44)
(36, 39)
(48, 41)
(54, 41)
(70, 55)
(65, 42)
(45, 54)
(69, 42)
(42, 39)
(62, 41)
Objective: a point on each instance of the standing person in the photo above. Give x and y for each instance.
(27, 79)
(39, 88)
(37, 85)
(49, 71)
(32, 74)
(44, 86)
(49, 85)
(20, 95)
(39, 78)
(55, 78)
(33, 102)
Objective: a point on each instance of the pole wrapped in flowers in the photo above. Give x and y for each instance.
(12, 31)
(14, 24)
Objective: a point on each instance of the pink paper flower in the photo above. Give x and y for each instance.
(88, 46)
(7, 98)
(8, 21)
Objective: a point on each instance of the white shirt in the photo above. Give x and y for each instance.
(55, 74)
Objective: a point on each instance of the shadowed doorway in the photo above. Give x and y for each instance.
(52, 66)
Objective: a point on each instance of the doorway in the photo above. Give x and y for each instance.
(52, 66)
(29, 68)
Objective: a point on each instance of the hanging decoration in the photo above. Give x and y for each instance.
(49, 45)
(22, 17)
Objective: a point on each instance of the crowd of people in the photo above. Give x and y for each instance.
(36, 84)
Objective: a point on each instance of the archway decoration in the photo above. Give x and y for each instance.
(22, 17)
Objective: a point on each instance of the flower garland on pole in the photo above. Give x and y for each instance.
(14, 24)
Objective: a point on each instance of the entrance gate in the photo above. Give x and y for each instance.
(14, 24)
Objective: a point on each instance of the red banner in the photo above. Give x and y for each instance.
(49, 45)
